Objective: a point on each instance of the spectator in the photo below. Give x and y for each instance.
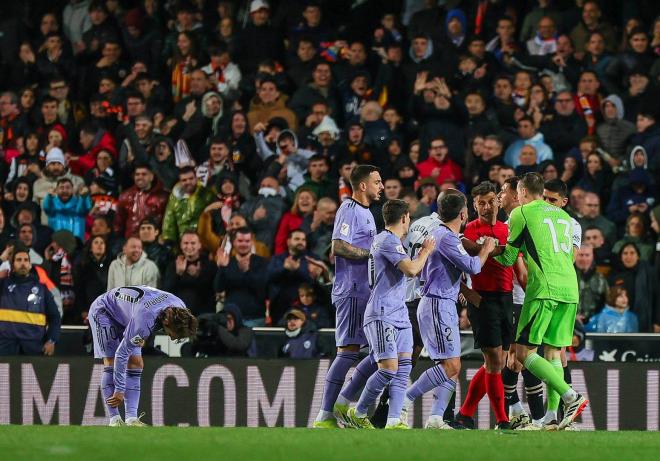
(301, 337)
(54, 171)
(636, 276)
(186, 203)
(577, 351)
(268, 104)
(591, 22)
(21, 333)
(526, 161)
(241, 278)
(614, 131)
(303, 207)
(157, 252)
(545, 40)
(67, 211)
(90, 273)
(591, 217)
(132, 267)
(636, 197)
(616, 316)
(597, 176)
(190, 276)
(594, 237)
(648, 136)
(316, 178)
(593, 286)
(264, 211)
(222, 334)
(438, 165)
(319, 229)
(259, 39)
(320, 89)
(308, 303)
(565, 128)
(527, 136)
(637, 233)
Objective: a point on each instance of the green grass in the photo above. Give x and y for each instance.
(41, 443)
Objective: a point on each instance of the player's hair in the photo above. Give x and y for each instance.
(484, 188)
(180, 320)
(512, 182)
(360, 174)
(444, 193)
(558, 186)
(394, 210)
(450, 206)
(533, 182)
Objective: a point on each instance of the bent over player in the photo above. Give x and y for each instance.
(121, 321)
(544, 233)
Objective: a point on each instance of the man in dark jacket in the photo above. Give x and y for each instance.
(241, 278)
(190, 276)
(301, 337)
(221, 334)
(29, 319)
(259, 40)
(566, 127)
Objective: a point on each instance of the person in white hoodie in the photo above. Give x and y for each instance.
(132, 267)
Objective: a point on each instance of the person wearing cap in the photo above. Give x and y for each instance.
(301, 337)
(55, 170)
(259, 40)
(29, 319)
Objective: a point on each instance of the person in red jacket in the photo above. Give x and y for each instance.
(438, 165)
(146, 198)
(303, 206)
(93, 140)
(492, 321)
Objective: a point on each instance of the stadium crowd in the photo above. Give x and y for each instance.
(203, 147)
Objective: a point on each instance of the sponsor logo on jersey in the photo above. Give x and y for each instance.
(345, 229)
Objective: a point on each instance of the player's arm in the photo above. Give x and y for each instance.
(577, 237)
(453, 250)
(516, 227)
(134, 337)
(346, 250)
(520, 270)
(412, 267)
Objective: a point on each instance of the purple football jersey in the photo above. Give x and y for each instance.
(134, 309)
(387, 301)
(443, 269)
(354, 224)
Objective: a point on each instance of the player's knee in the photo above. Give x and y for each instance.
(108, 361)
(349, 348)
(452, 367)
(389, 364)
(135, 361)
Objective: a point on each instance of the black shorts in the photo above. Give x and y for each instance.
(492, 322)
(412, 314)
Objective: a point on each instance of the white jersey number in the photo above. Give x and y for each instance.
(565, 246)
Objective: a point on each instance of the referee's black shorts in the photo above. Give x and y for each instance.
(492, 321)
(412, 314)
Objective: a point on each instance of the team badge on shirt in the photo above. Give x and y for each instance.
(345, 229)
(137, 340)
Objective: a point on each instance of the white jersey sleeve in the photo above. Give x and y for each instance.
(577, 234)
(417, 233)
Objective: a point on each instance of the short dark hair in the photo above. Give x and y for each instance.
(533, 182)
(526, 118)
(187, 169)
(360, 173)
(512, 182)
(394, 210)
(293, 231)
(450, 206)
(318, 158)
(218, 140)
(450, 191)
(484, 188)
(558, 186)
(48, 99)
(63, 180)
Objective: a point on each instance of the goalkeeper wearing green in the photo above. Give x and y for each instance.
(543, 233)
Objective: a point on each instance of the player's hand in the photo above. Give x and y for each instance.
(462, 300)
(489, 244)
(116, 399)
(49, 348)
(429, 244)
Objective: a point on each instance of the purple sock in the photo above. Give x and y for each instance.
(398, 387)
(375, 385)
(364, 369)
(430, 379)
(334, 380)
(132, 394)
(441, 396)
(107, 389)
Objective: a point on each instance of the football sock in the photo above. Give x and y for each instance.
(430, 379)
(334, 380)
(567, 378)
(553, 395)
(449, 411)
(544, 370)
(476, 392)
(534, 391)
(132, 395)
(107, 389)
(398, 388)
(375, 385)
(441, 396)
(495, 391)
(363, 370)
(510, 382)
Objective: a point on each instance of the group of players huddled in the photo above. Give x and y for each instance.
(398, 290)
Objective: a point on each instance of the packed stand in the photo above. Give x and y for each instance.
(204, 147)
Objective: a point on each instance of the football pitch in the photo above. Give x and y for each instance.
(73, 443)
